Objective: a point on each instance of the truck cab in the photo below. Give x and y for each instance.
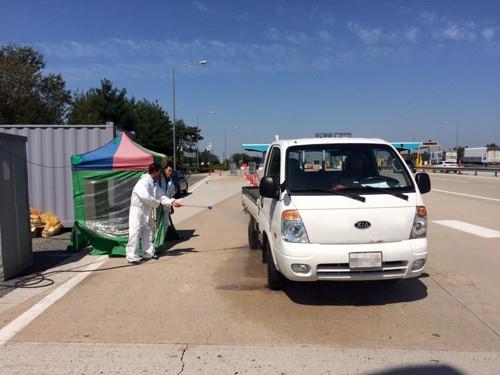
(339, 209)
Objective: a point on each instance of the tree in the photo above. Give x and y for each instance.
(154, 128)
(186, 133)
(26, 95)
(100, 105)
(492, 146)
(207, 157)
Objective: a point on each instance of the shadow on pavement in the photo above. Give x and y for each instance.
(355, 293)
(184, 235)
(177, 252)
(50, 252)
(420, 370)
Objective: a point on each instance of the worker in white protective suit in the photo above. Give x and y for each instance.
(142, 203)
(167, 188)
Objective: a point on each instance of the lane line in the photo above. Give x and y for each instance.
(449, 180)
(492, 178)
(14, 327)
(469, 228)
(466, 195)
(198, 184)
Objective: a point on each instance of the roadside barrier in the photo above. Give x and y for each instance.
(459, 170)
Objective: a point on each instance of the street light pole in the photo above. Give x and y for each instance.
(197, 148)
(229, 141)
(202, 62)
(225, 145)
(173, 108)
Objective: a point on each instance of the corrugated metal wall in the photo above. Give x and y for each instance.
(49, 151)
(15, 238)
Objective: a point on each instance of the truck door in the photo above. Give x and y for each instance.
(268, 205)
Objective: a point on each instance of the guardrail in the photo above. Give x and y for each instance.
(459, 170)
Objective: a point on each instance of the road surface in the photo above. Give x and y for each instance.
(203, 307)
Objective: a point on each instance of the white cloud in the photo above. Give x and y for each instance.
(324, 35)
(488, 33)
(201, 7)
(456, 32)
(367, 36)
(296, 38)
(373, 36)
(428, 18)
(411, 34)
(273, 34)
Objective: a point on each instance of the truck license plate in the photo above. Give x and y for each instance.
(365, 260)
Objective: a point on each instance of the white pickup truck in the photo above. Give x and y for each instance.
(338, 209)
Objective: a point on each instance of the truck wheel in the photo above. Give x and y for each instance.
(253, 236)
(275, 280)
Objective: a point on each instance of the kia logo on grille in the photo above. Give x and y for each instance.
(362, 224)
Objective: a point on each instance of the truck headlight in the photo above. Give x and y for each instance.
(419, 229)
(292, 227)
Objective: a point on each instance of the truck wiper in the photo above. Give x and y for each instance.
(344, 193)
(388, 191)
(349, 194)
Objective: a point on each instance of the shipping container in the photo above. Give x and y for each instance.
(49, 150)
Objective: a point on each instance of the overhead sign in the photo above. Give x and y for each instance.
(189, 154)
(342, 135)
(323, 135)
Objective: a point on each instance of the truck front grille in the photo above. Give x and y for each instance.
(341, 271)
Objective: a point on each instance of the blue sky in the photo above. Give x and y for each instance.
(398, 70)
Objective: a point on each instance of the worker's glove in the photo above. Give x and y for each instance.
(165, 201)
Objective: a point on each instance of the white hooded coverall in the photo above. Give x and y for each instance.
(142, 203)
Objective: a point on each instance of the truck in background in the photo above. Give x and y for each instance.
(482, 155)
(451, 157)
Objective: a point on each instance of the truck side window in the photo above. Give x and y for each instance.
(274, 165)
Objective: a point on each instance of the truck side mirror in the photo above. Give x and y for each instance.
(423, 182)
(268, 189)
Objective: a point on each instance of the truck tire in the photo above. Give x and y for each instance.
(275, 280)
(253, 235)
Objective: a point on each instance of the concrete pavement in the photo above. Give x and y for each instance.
(205, 302)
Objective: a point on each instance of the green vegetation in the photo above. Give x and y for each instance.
(27, 96)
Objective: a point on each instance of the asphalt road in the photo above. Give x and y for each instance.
(204, 306)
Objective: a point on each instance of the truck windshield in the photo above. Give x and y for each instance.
(366, 168)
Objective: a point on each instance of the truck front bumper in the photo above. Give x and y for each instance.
(403, 259)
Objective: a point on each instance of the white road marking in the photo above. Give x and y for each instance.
(198, 184)
(450, 180)
(466, 195)
(491, 177)
(469, 228)
(14, 327)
